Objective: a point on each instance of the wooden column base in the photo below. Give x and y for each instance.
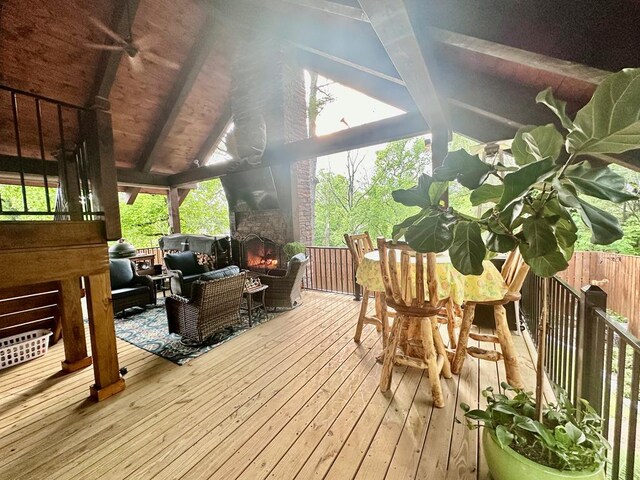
(99, 394)
(69, 367)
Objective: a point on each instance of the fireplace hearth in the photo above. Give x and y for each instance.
(261, 254)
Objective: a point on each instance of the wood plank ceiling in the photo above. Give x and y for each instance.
(486, 60)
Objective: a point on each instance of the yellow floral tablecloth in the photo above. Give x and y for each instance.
(451, 283)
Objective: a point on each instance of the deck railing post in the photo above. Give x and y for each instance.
(590, 358)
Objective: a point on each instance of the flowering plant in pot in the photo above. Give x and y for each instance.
(532, 206)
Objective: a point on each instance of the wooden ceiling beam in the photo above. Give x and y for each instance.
(110, 60)
(406, 125)
(333, 8)
(216, 135)
(366, 81)
(392, 23)
(34, 167)
(179, 94)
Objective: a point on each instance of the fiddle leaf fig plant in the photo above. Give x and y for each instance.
(530, 203)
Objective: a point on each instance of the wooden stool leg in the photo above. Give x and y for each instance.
(463, 337)
(384, 319)
(508, 350)
(379, 309)
(440, 348)
(451, 325)
(364, 303)
(389, 355)
(431, 359)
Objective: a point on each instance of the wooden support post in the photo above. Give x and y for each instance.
(103, 338)
(439, 150)
(590, 362)
(173, 204)
(104, 179)
(75, 344)
(70, 185)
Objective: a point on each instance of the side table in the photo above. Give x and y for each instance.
(161, 282)
(251, 305)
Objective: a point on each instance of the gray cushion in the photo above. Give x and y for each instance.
(186, 262)
(220, 273)
(121, 272)
(299, 258)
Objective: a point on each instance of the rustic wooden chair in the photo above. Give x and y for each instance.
(416, 310)
(359, 245)
(514, 272)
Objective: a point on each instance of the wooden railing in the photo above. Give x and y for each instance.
(618, 275)
(330, 270)
(158, 258)
(591, 356)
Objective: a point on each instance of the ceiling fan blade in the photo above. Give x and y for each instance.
(99, 46)
(157, 59)
(113, 35)
(136, 64)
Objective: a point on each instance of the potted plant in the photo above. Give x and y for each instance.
(294, 248)
(532, 208)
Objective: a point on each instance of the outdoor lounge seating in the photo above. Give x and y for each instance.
(128, 289)
(214, 304)
(286, 291)
(184, 269)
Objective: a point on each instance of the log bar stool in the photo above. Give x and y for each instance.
(514, 272)
(359, 245)
(411, 305)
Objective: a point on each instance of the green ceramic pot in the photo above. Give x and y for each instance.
(122, 249)
(506, 464)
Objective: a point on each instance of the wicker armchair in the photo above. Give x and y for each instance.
(214, 304)
(286, 291)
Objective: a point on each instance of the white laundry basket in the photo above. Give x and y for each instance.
(21, 348)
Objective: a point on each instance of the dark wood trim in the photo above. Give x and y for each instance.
(182, 195)
(392, 23)
(179, 94)
(402, 126)
(110, 60)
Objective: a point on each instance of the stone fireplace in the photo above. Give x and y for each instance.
(261, 254)
(274, 203)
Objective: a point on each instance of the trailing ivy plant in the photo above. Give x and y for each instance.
(566, 439)
(531, 202)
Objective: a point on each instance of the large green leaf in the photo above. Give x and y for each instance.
(417, 196)
(519, 147)
(558, 107)
(436, 190)
(486, 193)
(547, 265)
(400, 229)
(467, 169)
(600, 182)
(500, 243)
(539, 237)
(544, 142)
(610, 122)
(467, 250)
(566, 236)
(431, 234)
(604, 226)
(517, 184)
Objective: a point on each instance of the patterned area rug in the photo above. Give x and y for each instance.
(147, 329)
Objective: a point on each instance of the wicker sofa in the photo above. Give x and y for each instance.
(128, 289)
(286, 291)
(214, 304)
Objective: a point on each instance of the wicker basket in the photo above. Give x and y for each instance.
(21, 348)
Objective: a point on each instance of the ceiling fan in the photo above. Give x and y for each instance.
(136, 52)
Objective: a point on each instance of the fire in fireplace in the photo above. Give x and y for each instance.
(260, 254)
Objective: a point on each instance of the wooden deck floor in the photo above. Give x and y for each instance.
(292, 398)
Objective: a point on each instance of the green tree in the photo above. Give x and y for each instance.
(205, 210)
(144, 221)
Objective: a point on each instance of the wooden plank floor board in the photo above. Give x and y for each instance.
(294, 397)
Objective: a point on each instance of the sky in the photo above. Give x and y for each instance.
(356, 109)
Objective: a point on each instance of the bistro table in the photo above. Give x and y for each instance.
(253, 305)
(452, 285)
